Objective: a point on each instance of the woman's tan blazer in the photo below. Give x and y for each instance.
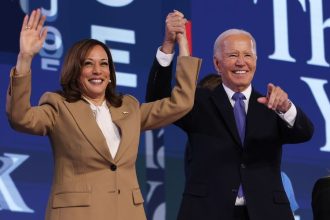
(89, 184)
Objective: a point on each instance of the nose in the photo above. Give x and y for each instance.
(240, 61)
(97, 69)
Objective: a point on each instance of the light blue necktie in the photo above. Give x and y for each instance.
(240, 115)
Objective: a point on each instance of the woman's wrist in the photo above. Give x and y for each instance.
(23, 64)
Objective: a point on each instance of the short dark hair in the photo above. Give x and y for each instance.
(71, 71)
(210, 81)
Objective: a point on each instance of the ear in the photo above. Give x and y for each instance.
(216, 64)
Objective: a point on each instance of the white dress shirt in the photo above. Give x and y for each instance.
(164, 59)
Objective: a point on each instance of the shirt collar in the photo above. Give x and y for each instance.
(94, 107)
(247, 92)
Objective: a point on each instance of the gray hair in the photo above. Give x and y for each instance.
(229, 32)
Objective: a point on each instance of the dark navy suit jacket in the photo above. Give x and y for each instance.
(321, 199)
(218, 162)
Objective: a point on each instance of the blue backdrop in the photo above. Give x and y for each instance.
(293, 52)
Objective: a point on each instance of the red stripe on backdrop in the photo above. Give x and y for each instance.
(189, 37)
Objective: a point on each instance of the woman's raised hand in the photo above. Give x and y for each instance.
(32, 38)
(181, 36)
(33, 34)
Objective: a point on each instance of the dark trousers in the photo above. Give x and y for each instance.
(241, 213)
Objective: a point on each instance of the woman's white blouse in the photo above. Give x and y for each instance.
(108, 128)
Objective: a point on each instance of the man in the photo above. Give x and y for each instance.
(321, 199)
(234, 166)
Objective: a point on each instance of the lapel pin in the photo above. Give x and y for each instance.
(125, 112)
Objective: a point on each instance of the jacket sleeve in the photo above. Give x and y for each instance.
(301, 131)
(167, 110)
(159, 82)
(23, 117)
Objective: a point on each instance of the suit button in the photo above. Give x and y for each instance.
(113, 167)
(243, 165)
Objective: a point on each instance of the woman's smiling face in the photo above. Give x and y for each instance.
(95, 74)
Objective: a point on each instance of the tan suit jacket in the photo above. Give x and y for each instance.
(89, 184)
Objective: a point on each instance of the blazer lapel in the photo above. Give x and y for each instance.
(255, 112)
(86, 122)
(220, 99)
(119, 117)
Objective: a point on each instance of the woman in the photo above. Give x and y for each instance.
(94, 132)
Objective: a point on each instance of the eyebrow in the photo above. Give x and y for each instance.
(236, 52)
(103, 59)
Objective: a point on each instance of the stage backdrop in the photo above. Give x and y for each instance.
(293, 52)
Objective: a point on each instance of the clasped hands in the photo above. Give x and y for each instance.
(175, 32)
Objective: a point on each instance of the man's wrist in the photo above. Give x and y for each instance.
(167, 47)
(289, 104)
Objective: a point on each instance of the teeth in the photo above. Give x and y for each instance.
(240, 71)
(97, 81)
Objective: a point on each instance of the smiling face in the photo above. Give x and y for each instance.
(235, 59)
(95, 74)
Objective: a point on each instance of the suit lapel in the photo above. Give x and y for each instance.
(255, 112)
(221, 101)
(119, 117)
(83, 115)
